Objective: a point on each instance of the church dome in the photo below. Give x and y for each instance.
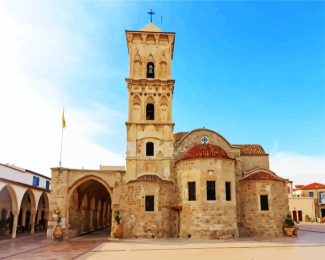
(205, 151)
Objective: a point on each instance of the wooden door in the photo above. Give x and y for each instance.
(294, 215)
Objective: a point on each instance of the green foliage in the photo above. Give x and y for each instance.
(288, 222)
(59, 217)
(117, 217)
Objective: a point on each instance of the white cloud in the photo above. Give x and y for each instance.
(301, 169)
(33, 56)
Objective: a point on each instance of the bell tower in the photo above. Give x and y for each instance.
(150, 93)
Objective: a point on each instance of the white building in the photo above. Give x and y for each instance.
(23, 200)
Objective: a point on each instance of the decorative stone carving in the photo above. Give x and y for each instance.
(150, 178)
(150, 58)
(163, 67)
(136, 109)
(137, 65)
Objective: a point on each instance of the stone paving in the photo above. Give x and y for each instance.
(38, 247)
(310, 243)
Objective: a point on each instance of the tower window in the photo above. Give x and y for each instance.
(191, 191)
(149, 149)
(211, 190)
(150, 111)
(150, 70)
(264, 202)
(150, 203)
(228, 191)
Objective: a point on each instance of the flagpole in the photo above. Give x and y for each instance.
(63, 126)
(60, 163)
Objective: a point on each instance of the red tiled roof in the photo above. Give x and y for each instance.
(205, 151)
(252, 149)
(312, 186)
(260, 175)
(299, 186)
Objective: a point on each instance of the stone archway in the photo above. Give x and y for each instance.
(89, 200)
(6, 208)
(42, 213)
(9, 211)
(26, 217)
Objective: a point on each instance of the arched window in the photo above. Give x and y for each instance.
(150, 111)
(150, 70)
(149, 149)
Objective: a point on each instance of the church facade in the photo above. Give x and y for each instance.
(190, 184)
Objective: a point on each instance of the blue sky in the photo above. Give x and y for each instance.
(252, 71)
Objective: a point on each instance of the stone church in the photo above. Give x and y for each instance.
(193, 184)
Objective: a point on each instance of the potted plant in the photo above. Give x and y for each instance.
(289, 225)
(58, 232)
(118, 230)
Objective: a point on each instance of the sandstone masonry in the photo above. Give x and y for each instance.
(190, 184)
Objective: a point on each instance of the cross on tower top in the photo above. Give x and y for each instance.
(151, 13)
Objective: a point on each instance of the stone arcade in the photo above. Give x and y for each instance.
(189, 184)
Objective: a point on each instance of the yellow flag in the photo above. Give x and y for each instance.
(63, 120)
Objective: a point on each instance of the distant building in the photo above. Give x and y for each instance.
(24, 200)
(308, 200)
(302, 209)
(290, 188)
(297, 192)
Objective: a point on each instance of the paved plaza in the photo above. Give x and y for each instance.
(310, 242)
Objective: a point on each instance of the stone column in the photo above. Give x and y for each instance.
(105, 218)
(113, 210)
(96, 226)
(47, 217)
(100, 221)
(14, 226)
(109, 220)
(58, 200)
(91, 220)
(83, 219)
(102, 218)
(87, 217)
(23, 218)
(32, 219)
(39, 214)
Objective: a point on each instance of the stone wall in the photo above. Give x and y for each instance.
(78, 218)
(251, 162)
(252, 221)
(140, 223)
(202, 218)
(140, 131)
